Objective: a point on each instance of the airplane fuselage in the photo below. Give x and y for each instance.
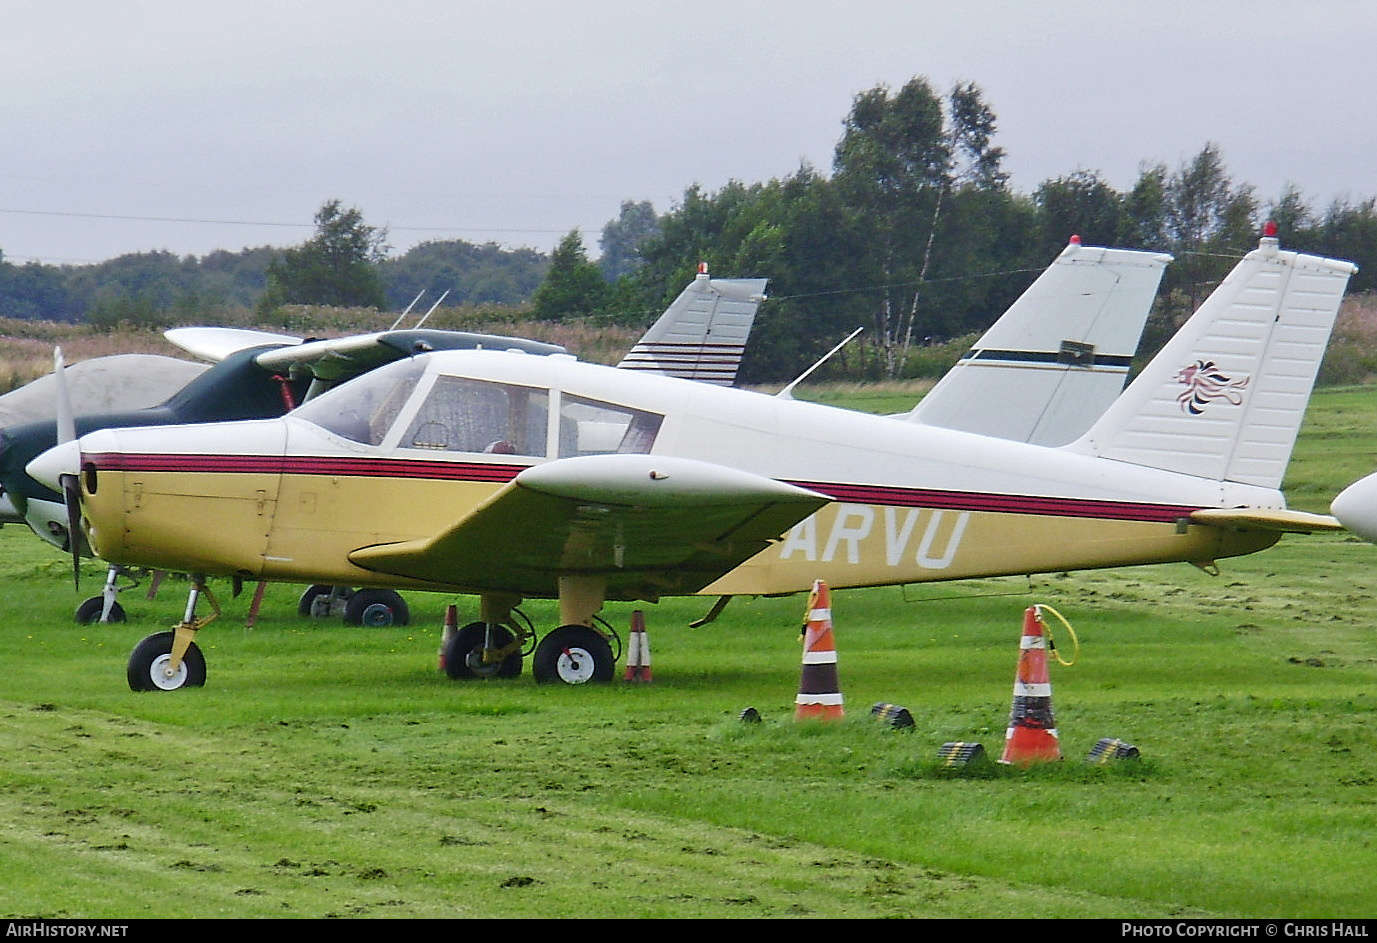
(291, 499)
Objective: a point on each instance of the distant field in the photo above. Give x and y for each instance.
(332, 771)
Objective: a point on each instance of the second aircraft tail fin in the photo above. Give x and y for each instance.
(1058, 357)
(703, 333)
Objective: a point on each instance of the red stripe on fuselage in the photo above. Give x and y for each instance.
(304, 465)
(359, 467)
(999, 503)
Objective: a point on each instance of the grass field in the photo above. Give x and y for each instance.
(333, 771)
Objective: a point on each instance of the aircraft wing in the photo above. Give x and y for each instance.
(701, 336)
(340, 358)
(217, 343)
(651, 525)
(1278, 519)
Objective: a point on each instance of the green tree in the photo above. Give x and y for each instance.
(1349, 231)
(1204, 209)
(573, 287)
(905, 163)
(1079, 204)
(472, 274)
(1292, 214)
(338, 266)
(34, 291)
(1145, 209)
(1207, 218)
(970, 131)
(623, 237)
(1203, 219)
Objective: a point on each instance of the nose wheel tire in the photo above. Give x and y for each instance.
(90, 611)
(573, 654)
(150, 661)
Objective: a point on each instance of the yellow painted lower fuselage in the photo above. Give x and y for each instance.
(302, 528)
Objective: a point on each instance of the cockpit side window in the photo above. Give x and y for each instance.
(590, 427)
(463, 415)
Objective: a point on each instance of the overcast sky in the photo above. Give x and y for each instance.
(190, 126)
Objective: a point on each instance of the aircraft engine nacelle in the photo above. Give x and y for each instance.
(195, 509)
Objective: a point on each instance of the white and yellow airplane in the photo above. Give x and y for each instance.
(509, 476)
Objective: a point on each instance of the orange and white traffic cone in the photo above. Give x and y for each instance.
(638, 650)
(819, 694)
(1032, 734)
(450, 629)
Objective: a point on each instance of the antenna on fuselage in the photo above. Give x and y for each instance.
(788, 391)
(432, 309)
(407, 311)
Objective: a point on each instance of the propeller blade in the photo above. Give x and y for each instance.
(71, 492)
(66, 420)
(71, 497)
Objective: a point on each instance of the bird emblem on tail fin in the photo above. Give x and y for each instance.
(1204, 384)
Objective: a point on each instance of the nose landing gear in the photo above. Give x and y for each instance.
(169, 661)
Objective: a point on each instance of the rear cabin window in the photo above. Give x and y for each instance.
(463, 415)
(590, 427)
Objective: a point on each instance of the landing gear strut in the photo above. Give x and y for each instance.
(578, 652)
(483, 650)
(493, 646)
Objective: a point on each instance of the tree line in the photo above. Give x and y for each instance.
(917, 236)
(345, 263)
(914, 234)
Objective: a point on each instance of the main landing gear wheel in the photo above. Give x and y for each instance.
(377, 609)
(573, 654)
(90, 611)
(319, 602)
(464, 653)
(151, 658)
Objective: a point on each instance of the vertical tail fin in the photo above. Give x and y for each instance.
(1058, 357)
(1224, 398)
(702, 334)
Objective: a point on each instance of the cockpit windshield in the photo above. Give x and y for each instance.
(364, 408)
